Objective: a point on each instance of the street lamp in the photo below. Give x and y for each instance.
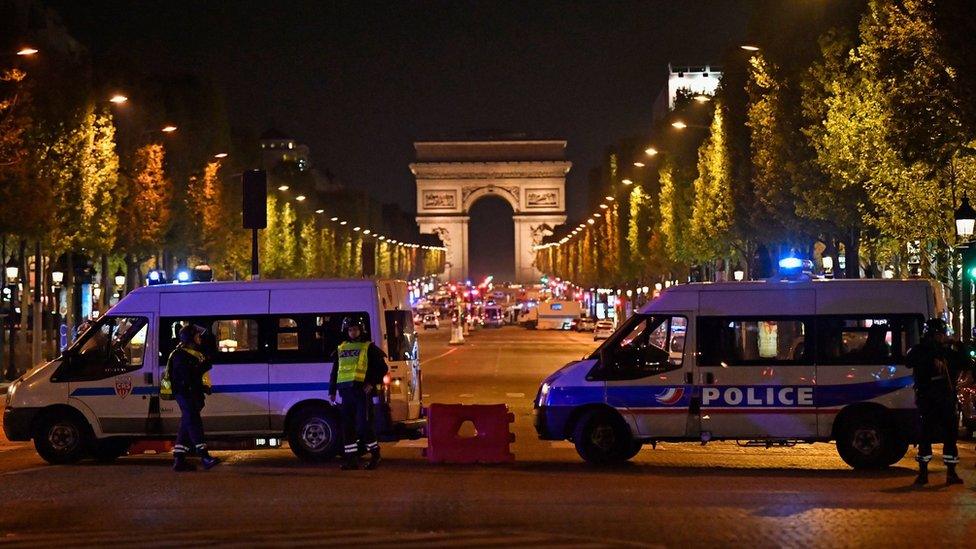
(650, 151)
(638, 164)
(119, 278)
(26, 51)
(118, 99)
(220, 155)
(168, 129)
(749, 47)
(12, 270)
(627, 181)
(965, 217)
(57, 277)
(738, 274)
(679, 124)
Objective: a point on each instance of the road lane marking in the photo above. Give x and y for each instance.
(515, 395)
(466, 395)
(445, 353)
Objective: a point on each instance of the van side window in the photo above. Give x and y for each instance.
(115, 345)
(308, 338)
(727, 341)
(861, 340)
(227, 340)
(646, 345)
(287, 334)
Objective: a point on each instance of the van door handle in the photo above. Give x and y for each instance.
(709, 378)
(688, 378)
(148, 378)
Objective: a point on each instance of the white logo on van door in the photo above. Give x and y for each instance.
(759, 396)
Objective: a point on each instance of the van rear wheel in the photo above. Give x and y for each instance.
(315, 435)
(61, 438)
(603, 439)
(866, 441)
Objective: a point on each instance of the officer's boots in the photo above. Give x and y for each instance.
(180, 465)
(951, 476)
(208, 460)
(374, 459)
(923, 474)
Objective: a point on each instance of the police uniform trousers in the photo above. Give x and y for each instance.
(937, 410)
(190, 434)
(357, 424)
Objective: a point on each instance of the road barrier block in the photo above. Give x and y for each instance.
(150, 447)
(490, 443)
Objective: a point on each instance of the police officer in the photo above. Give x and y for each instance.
(357, 368)
(186, 369)
(936, 363)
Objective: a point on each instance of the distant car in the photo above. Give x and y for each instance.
(431, 321)
(603, 329)
(585, 324)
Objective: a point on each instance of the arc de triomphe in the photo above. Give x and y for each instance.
(453, 175)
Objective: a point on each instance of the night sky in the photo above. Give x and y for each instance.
(359, 82)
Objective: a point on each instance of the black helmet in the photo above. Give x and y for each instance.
(935, 326)
(350, 322)
(188, 332)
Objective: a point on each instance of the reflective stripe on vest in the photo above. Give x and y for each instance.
(353, 360)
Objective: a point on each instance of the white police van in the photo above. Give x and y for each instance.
(270, 376)
(767, 363)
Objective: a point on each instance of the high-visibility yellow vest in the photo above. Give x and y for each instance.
(353, 360)
(166, 386)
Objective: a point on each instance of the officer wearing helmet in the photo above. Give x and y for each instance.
(936, 363)
(186, 381)
(358, 367)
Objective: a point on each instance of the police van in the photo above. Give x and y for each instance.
(270, 376)
(766, 363)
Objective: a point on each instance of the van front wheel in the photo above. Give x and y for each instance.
(315, 435)
(61, 438)
(603, 439)
(867, 441)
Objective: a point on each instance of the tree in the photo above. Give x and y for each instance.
(147, 207)
(675, 205)
(713, 211)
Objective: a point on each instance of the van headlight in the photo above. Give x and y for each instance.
(543, 394)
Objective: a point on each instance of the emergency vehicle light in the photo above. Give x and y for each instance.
(790, 263)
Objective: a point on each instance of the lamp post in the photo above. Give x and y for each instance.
(57, 278)
(120, 282)
(965, 218)
(12, 274)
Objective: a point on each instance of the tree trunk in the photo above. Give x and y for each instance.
(37, 330)
(107, 288)
(852, 253)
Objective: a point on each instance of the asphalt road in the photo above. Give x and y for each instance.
(675, 495)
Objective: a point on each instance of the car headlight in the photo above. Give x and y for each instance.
(10, 392)
(543, 393)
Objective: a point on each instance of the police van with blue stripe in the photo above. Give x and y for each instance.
(776, 362)
(270, 378)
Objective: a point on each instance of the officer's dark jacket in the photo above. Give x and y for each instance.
(186, 372)
(376, 367)
(935, 365)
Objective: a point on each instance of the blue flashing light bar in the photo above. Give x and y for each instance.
(790, 263)
(183, 276)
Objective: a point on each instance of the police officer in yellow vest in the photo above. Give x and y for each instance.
(358, 367)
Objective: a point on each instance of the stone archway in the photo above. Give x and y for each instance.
(453, 175)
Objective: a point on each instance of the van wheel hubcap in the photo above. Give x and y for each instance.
(866, 440)
(62, 437)
(316, 434)
(603, 437)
